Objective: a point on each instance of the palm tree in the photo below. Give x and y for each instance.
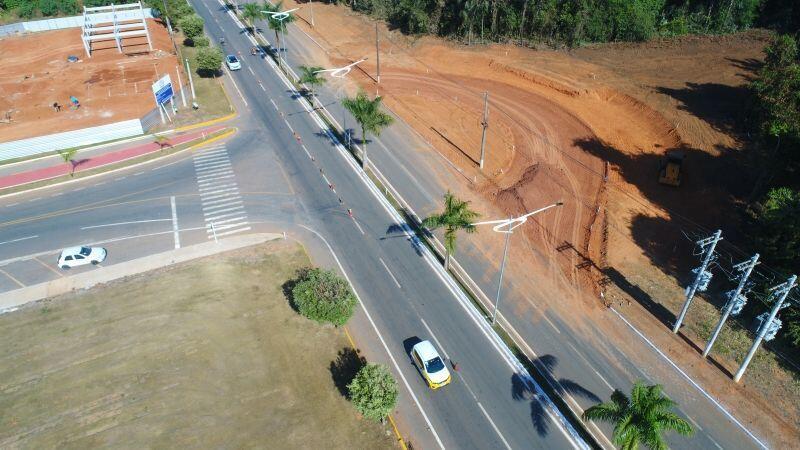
(368, 114)
(640, 419)
(67, 156)
(251, 13)
(310, 76)
(279, 26)
(455, 217)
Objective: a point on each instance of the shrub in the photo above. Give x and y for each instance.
(200, 41)
(48, 7)
(27, 10)
(322, 296)
(192, 26)
(208, 61)
(373, 391)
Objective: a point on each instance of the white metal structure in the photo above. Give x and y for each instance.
(104, 23)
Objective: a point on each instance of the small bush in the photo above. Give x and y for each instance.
(200, 41)
(322, 296)
(373, 391)
(192, 26)
(208, 61)
(27, 10)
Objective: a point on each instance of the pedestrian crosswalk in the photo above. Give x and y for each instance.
(223, 206)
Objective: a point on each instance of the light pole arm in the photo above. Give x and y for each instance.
(515, 222)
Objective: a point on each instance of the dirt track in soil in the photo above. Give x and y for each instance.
(591, 127)
(110, 86)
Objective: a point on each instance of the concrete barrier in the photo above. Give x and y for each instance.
(60, 23)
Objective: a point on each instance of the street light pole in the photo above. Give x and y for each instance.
(341, 72)
(485, 123)
(511, 223)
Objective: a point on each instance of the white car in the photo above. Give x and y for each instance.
(427, 360)
(233, 62)
(79, 256)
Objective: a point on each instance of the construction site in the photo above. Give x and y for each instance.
(83, 76)
(638, 139)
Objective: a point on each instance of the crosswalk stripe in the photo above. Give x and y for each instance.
(215, 180)
(211, 164)
(220, 193)
(214, 152)
(232, 208)
(222, 216)
(225, 227)
(229, 197)
(230, 203)
(226, 233)
(212, 173)
(233, 219)
(208, 188)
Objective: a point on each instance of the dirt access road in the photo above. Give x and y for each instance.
(590, 127)
(204, 354)
(110, 86)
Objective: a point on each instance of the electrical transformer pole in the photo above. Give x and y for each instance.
(485, 124)
(712, 244)
(782, 290)
(746, 268)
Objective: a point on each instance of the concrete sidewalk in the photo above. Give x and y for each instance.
(12, 300)
(33, 171)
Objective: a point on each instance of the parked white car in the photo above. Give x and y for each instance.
(79, 256)
(233, 62)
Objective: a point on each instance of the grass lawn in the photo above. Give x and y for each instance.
(202, 355)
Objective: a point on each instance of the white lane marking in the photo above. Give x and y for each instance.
(57, 194)
(496, 430)
(223, 205)
(288, 125)
(100, 183)
(138, 173)
(13, 204)
(233, 208)
(34, 199)
(230, 77)
(205, 165)
(693, 422)
(227, 233)
(262, 86)
(120, 178)
(251, 70)
(226, 221)
(551, 323)
(77, 189)
(12, 278)
(274, 104)
(383, 341)
(175, 223)
(590, 365)
(697, 386)
(438, 344)
(390, 273)
(212, 166)
(20, 239)
(358, 226)
(216, 154)
(327, 181)
(123, 223)
(307, 153)
(166, 165)
(715, 442)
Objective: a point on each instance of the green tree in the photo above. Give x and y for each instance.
(311, 77)
(323, 296)
(640, 420)
(208, 61)
(200, 41)
(456, 217)
(192, 26)
(369, 116)
(373, 391)
(67, 155)
(279, 26)
(251, 13)
(778, 229)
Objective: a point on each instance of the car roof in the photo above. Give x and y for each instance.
(71, 250)
(231, 56)
(426, 351)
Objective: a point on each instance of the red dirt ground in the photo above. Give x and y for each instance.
(590, 127)
(110, 86)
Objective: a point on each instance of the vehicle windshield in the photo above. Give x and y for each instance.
(434, 365)
(231, 59)
(85, 251)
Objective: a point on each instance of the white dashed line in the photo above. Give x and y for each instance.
(390, 273)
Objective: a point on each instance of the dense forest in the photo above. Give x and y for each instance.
(570, 22)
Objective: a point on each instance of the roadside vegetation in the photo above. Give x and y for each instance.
(323, 296)
(557, 23)
(203, 354)
(455, 217)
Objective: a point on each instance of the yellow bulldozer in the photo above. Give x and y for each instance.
(670, 171)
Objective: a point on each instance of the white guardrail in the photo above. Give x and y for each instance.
(59, 23)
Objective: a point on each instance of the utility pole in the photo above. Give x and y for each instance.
(783, 291)
(702, 277)
(509, 232)
(485, 124)
(736, 299)
(191, 82)
(311, 5)
(377, 52)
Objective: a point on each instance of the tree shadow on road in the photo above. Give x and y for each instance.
(397, 231)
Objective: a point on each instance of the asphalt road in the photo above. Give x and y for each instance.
(278, 182)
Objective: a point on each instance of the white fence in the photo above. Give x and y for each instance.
(69, 139)
(68, 22)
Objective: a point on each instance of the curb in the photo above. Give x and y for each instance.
(59, 183)
(13, 300)
(230, 116)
